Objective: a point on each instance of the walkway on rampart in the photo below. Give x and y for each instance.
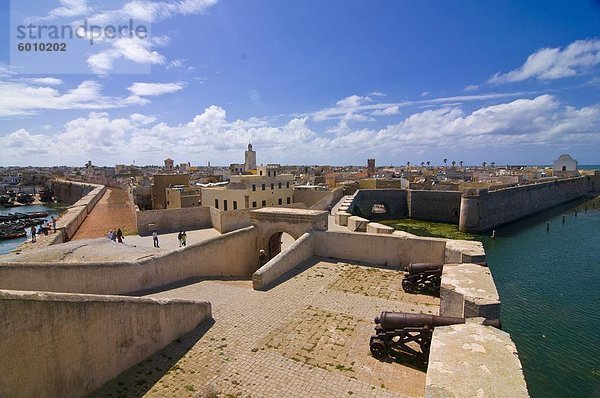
(306, 337)
(111, 212)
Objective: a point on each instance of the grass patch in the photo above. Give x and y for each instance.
(431, 229)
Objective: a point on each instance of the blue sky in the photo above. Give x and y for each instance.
(309, 82)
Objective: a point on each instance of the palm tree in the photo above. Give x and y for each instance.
(445, 161)
(493, 164)
(484, 163)
(461, 163)
(453, 163)
(407, 164)
(428, 163)
(422, 164)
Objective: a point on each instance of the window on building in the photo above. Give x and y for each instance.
(261, 172)
(235, 205)
(287, 184)
(272, 186)
(268, 174)
(289, 200)
(263, 187)
(167, 202)
(274, 173)
(253, 204)
(217, 203)
(279, 185)
(280, 201)
(254, 187)
(224, 204)
(264, 203)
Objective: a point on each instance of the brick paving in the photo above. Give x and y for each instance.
(306, 337)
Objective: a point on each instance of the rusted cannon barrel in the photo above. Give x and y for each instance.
(416, 268)
(398, 320)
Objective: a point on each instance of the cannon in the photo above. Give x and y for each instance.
(423, 277)
(408, 334)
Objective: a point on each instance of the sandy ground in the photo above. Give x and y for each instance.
(111, 212)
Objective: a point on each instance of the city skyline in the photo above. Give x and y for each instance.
(311, 83)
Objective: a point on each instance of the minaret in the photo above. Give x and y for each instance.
(250, 163)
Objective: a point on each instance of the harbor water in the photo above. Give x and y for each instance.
(6, 246)
(549, 286)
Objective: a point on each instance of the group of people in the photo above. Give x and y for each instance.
(181, 236)
(116, 236)
(43, 229)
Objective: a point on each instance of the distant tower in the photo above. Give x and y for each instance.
(250, 159)
(371, 167)
(168, 165)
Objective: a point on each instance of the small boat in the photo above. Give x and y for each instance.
(13, 234)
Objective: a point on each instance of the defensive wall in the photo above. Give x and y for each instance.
(318, 200)
(82, 197)
(475, 359)
(482, 210)
(203, 259)
(67, 345)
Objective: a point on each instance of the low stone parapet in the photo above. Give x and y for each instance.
(343, 208)
(376, 228)
(473, 360)
(357, 224)
(67, 345)
(341, 218)
(468, 291)
(465, 251)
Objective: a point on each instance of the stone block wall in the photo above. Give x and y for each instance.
(67, 345)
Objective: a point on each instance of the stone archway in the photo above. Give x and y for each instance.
(271, 221)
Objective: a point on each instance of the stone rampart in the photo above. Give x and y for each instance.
(71, 191)
(473, 360)
(394, 200)
(436, 206)
(386, 250)
(203, 259)
(67, 345)
(482, 210)
(173, 220)
(298, 252)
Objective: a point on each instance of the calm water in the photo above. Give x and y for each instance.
(7, 245)
(549, 285)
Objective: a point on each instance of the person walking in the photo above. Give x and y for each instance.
(53, 224)
(33, 232)
(120, 236)
(110, 235)
(155, 238)
(184, 239)
(180, 237)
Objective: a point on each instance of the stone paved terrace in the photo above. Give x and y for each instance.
(306, 337)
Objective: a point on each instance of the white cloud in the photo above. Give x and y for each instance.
(555, 63)
(68, 9)
(43, 81)
(152, 89)
(133, 49)
(424, 93)
(18, 98)
(389, 111)
(539, 122)
(472, 87)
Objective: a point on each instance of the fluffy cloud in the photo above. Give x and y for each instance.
(152, 89)
(135, 49)
(539, 122)
(18, 98)
(555, 63)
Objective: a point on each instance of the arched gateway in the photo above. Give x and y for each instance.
(271, 222)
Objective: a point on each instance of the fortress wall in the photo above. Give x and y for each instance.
(395, 201)
(232, 254)
(71, 191)
(83, 197)
(386, 250)
(329, 201)
(298, 252)
(173, 220)
(227, 221)
(482, 210)
(436, 206)
(67, 345)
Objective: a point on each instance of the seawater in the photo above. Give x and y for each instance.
(6, 246)
(549, 286)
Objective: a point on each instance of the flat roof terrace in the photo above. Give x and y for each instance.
(307, 336)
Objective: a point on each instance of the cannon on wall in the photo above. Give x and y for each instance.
(423, 277)
(408, 334)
